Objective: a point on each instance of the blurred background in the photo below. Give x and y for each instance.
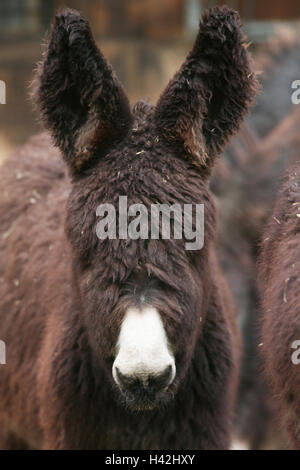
(146, 41)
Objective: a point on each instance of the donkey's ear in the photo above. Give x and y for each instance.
(82, 103)
(205, 102)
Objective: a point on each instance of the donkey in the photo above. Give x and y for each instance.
(119, 343)
(280, 290)
(246, 188)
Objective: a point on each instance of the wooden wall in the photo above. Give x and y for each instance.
(153, 19)
(145, 40)
(266, 9)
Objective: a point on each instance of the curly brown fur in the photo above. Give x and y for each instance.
(279, 280)
(246, 183)
(80, 99)
(64, 291)
(205, 102)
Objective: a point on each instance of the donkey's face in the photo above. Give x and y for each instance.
(143, 299)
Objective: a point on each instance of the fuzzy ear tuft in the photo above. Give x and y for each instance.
(207, 99)
(81, 101)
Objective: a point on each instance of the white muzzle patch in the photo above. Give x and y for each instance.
(142, 347)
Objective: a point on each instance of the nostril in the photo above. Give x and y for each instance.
(122, 379)
(158, 382)
(151, 383)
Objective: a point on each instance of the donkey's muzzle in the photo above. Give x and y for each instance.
(143, 390)
(144, 366)
(151, 383)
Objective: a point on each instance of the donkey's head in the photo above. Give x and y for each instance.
(142, 298)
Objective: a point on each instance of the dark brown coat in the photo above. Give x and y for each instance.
(64, 292)
(280, 294)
